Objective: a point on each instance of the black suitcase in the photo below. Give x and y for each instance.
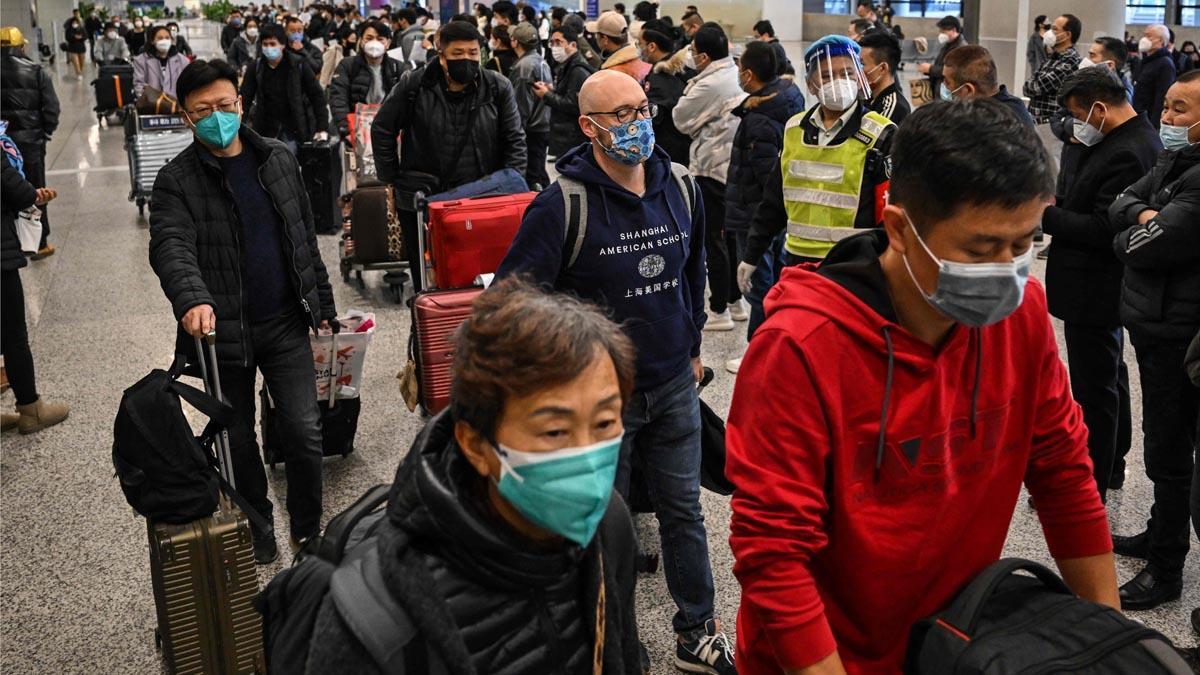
(114, 87)
(339, 423)
(321, 167)
(372, 219)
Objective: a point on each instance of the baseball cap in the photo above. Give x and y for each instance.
(610, 23)
(524, 33)
(10, 36)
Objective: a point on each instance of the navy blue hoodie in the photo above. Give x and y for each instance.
(642, 258)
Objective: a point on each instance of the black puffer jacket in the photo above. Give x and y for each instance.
(564, 104)
(756, 148)
(664, 88)
(352, 82)
(1160, 298)
(27, 99)
(195, 241)
(433, 121)
(305, 99)
(17, 195)
(485, 599)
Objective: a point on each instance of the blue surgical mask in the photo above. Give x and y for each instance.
(632, 142)
(272, 53)
(945, 93)
(296, 37)
(975, 294)
(564, 491)
(1175, 137)
(219, 129)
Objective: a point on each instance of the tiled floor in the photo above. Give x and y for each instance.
(74, 580)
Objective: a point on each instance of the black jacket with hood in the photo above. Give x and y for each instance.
(27, 99)
(664, 88)
(564, 104)
(1160, 299)
(196, 249)
(756, 148)
(305, 101)
(481, 124)
(483, 598)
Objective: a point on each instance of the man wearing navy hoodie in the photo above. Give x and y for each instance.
(632, 240)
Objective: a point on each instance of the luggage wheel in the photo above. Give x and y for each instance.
(358, 279)
(141, 204)
(157, 640)
(345, 265)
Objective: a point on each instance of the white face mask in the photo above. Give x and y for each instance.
(251, 33)
(943, 38)
(163, 45)
(1145, 45)
(559, 54)
(689, 60)
(374, 49)
(1086, 133)
(111, 35)
(1050, 38)
(174, 32)
(838, 94)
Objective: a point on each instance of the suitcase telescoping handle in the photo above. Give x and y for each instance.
(206, 354)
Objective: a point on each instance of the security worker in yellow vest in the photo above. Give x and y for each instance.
(834, 168)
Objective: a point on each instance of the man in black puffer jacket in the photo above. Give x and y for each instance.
(233, 245)
(28, 102)
(290, 104)
(457, 121)
(563, 98)
(365, 77)
(498, 560)
(1158, 219)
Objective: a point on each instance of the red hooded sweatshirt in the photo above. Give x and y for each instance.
(848, 535)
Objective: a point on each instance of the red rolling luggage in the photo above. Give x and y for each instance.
(469, 237)
(436, 316)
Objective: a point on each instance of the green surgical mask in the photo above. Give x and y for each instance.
(565, 491)
(219, 129)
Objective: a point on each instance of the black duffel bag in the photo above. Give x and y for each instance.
(1004, 622)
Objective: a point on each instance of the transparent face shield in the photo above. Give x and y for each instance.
(836, 78)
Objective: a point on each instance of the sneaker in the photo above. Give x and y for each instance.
(266, 551)
(732, 365)
(739, 310)
(1044, 254)
(710, 652)
(722, 321)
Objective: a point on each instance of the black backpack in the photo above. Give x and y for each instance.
(167, 473)
(1004, 622)
(343, 562)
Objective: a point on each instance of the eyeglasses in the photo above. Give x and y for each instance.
(225, 106)
(626, 115)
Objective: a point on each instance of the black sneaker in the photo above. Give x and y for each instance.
(1134, 546)
(265, 549)
(705, 652)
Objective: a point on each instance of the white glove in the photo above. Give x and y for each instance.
(744, 271)
(321, 136)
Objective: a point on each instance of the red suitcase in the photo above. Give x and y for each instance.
(436, 316)
(469, 237)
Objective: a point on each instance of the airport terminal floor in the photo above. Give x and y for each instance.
(74, 575)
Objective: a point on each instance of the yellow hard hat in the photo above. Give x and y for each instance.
(10, 36)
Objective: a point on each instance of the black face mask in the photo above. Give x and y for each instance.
(462, 71)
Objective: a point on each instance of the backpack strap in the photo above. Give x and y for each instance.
(963, 614)
(575, 205)
(337, 532)
(384, 628)
(687, 186)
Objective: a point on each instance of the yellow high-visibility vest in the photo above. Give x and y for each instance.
(821, 185)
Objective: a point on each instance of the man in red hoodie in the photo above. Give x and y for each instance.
(913, 385)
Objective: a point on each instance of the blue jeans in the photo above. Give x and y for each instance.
(765, 276)
(662, 432)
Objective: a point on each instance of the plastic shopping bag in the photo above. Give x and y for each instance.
(29, 229)
(338, 358)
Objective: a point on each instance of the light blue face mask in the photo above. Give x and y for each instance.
(945, 93)
(564, 491)
(1175, 137)
(219, 129)
(273, 54)
(632, 142)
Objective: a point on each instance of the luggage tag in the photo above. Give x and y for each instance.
(409, 387)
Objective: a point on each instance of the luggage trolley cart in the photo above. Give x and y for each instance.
(150, 142)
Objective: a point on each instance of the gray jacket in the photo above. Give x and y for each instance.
(242, 52)
(535, 114)
(108, 50)
(405, 41)
(148, 71)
